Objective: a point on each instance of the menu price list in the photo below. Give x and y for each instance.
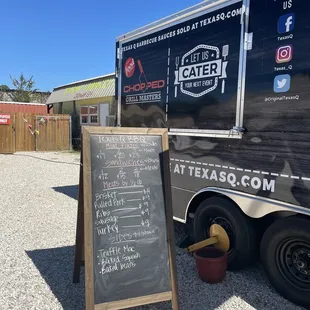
(128, 214)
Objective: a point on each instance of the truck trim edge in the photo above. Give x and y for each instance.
(253, 206)
(176, 18)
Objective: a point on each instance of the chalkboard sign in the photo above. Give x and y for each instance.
(128, 227)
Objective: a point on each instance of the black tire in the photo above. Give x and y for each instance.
(280, 244)
(217, 210)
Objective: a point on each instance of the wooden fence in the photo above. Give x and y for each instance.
(30, 132)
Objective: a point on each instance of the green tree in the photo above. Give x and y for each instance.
(24, 90)
(3, 89)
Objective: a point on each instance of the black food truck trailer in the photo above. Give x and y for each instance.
(231, 82)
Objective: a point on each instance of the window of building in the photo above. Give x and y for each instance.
(89, 115)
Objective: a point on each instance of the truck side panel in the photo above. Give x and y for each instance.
(271, 160)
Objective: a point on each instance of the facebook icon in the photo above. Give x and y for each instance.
(286, 23)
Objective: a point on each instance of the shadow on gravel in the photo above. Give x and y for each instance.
(250, 285)
(70, 190)
(56, 268)
(54, 160)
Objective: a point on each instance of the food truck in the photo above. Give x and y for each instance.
(231, 82)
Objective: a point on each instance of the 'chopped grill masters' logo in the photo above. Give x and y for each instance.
(140, 89)
(200, 70)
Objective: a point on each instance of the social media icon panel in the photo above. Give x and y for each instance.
(284, 54)
(282, 83)
(286, 23)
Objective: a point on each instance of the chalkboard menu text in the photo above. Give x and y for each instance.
(129, 253)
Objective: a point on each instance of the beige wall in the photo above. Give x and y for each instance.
(109, 100)
(68, 108)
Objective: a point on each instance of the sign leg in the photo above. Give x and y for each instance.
(79, 242)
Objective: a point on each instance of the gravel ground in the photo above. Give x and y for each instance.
(38, 221)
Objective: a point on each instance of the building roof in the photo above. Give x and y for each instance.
(97, 87)
(86, 80)
(23, 103)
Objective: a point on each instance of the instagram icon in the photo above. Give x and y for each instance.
(284, 54)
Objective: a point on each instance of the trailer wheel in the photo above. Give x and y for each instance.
(217, 210)
(285, 255)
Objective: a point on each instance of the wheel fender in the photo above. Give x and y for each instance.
(251, 205)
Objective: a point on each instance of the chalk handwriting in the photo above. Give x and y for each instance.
(130, 257)
(101, 155)
(122, 206)
(145, 223)
(136, 173)
(134, 154)
(110, 260)
(143, 233)
(135, 182)
(145, 211)
(128, 265)
(126, 139)
(146, 197)
(108, 269)
(109, 219)
(101, 213)
(117, 258)
(103, 175)
(124, 163)
(103, 204)
(119, 155)
(121, 174)
(122, 146)
(107, 229)
(147, 191)
(110, 252)
(127, 248)
(119, 238)
(147, 150)
(149, 168)
(144, 204)
(112, 184)
(106, 195)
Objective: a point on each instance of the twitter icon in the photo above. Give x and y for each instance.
(282, 83)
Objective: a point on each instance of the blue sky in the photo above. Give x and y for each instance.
(61, 41)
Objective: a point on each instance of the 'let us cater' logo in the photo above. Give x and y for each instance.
(200, 70)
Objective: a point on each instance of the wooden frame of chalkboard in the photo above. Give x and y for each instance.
(156, 280)
(79, 237)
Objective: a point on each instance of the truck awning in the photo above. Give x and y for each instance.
(88, 89)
